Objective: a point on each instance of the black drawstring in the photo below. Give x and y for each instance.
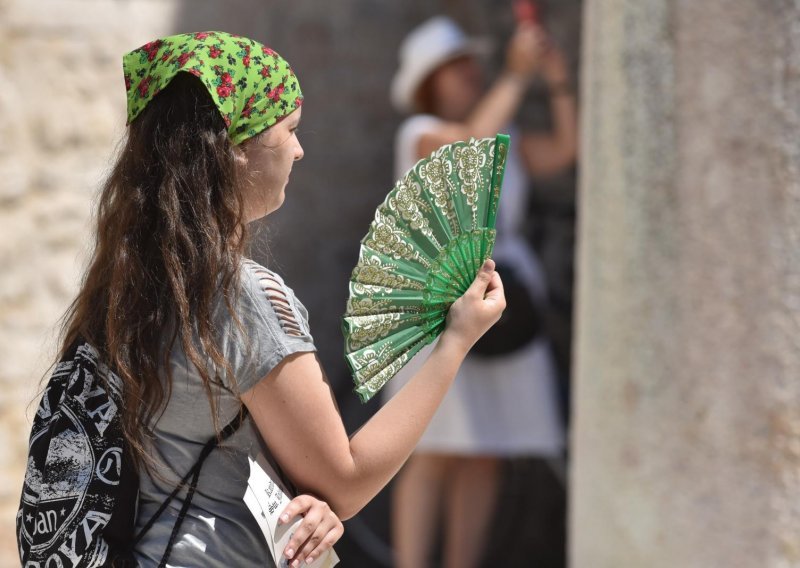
(194, 474)
(179, 521)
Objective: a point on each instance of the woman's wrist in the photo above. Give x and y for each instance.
(454, 344)
(517, 78)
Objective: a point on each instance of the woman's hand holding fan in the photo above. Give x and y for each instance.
(478, 309)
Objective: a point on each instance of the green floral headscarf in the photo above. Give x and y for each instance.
(252, 86)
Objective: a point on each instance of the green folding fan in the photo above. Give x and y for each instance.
(424, 248)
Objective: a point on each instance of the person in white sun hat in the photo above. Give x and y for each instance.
(503, 402)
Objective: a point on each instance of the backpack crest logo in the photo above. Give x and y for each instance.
(79, 497)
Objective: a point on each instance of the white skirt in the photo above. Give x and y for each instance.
(504, 407)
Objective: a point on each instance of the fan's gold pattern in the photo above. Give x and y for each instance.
(372, 385)
(470, 162)
(436, 173)
(407, 203)
(370, 360)
(369, 327)
(362, 303)
(371, 270)
(391, 239)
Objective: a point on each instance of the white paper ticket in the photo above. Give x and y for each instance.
(266, 500)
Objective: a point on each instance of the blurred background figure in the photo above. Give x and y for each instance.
(504, 402)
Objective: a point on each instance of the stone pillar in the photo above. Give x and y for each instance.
(686, 439)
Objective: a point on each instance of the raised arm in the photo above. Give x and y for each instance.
(547, 153)
(499, 105)
(296, 414)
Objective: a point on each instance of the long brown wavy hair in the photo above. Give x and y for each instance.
(170, 236)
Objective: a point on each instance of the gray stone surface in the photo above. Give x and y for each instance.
(686, 441)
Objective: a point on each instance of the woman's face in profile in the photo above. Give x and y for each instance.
(270, 158)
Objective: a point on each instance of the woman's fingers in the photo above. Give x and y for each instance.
(478, 308)
(296, 506)
(297, 542)
(317, 533)
(309, 508)
(495, 291)
(328, 531)
(487, 284)
(482, 280)
(327, 541)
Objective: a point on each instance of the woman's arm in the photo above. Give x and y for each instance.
(498, 106)
(295, 412)
(546, 154)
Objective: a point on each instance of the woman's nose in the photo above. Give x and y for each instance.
(298, 152)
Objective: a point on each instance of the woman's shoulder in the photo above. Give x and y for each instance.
(266, 323)
(261, 280)
(267, 289)
(252, 272)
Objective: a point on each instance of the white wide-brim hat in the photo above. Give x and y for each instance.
(428, 46)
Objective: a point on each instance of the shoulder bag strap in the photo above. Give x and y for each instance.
(191, 478)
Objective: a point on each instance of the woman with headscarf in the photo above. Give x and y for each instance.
(196, 331)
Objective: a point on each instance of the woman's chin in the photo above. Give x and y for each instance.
(276, 205)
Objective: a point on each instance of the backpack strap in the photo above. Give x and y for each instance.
(191, 478)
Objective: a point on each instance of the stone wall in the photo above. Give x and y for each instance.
(62, 108)
(686, 441)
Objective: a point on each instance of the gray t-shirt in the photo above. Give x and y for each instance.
(219, 529)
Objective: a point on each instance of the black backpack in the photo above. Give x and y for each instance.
(78, 504)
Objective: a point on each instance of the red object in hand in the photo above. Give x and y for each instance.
(527, 11)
